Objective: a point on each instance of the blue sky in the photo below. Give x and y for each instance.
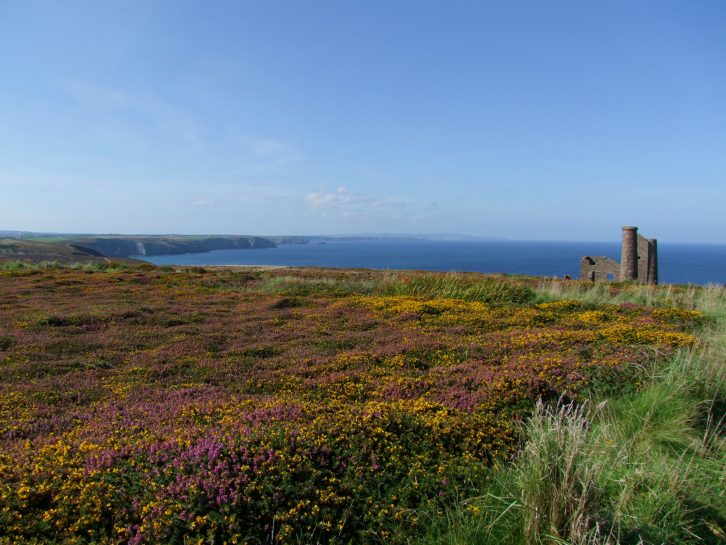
(531, 120)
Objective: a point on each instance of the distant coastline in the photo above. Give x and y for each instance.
(680, 263)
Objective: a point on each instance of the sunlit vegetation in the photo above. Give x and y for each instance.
(147, 405)
(624, 467)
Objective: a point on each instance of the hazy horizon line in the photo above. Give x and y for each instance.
(443, 236)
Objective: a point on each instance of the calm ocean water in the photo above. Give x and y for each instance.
(679, 263)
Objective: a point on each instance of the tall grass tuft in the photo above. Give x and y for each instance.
(421, 285)
(456, 286)
(647, 467)
(710, 299)
(557, 475)
(291, 285)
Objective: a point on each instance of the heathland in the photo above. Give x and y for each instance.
(157, 405)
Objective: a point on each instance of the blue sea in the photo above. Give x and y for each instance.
(678, 263)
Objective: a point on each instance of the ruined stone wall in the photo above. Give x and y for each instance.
(639, 261)
(647, 260)
(598, 268)
(652, 261)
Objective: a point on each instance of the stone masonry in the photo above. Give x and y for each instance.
(648, 260)
(629, 254)
(599, 268)
(638, 262)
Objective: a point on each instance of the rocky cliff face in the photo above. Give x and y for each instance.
(128, 246)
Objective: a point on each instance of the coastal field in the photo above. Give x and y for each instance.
(226, 405)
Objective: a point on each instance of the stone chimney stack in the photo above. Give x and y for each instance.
(629, 256)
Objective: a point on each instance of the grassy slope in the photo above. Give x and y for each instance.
(644, 467)
(19, 253)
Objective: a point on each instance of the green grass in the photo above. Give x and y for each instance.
(46, 239)
(710, 299)
(422, 285)
(49, 265)
(296, 286)
(456, 286)
(648, 467)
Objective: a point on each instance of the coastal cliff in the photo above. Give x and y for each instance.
(128, 246)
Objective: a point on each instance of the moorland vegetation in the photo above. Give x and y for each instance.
(158, 405)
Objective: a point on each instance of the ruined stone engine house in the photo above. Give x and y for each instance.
(638, 261)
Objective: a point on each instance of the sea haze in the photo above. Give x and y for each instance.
(679, 263)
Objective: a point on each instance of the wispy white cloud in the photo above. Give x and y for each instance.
(97, 97)
(204, 203)
(261, 155)
(343, 203)
(170, 121)
(149, 121)
(273, 149)
(328, 199)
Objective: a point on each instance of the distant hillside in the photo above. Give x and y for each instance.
(27, 250)
(128, 246)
